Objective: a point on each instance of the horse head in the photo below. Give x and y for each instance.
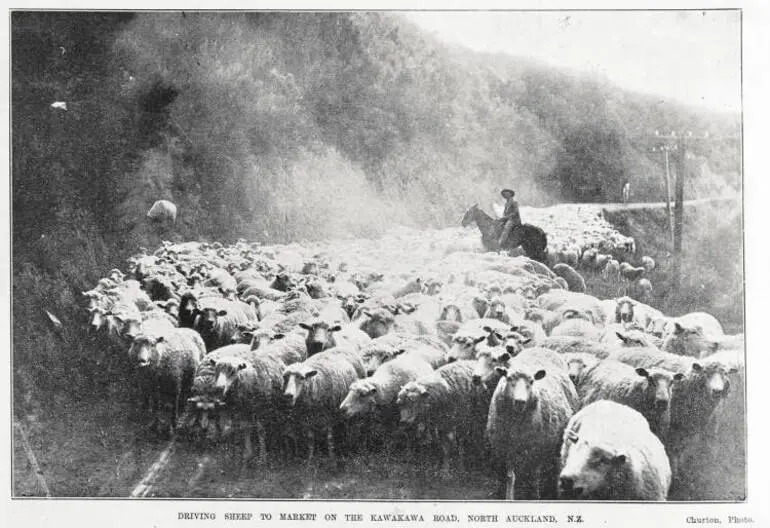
(470, 215)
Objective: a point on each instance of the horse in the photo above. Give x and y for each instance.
(532, 239)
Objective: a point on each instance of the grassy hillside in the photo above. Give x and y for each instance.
(288, 126)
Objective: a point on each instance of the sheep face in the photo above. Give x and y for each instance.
(243, 333)
(131, 327)
(261, 338)
(377, 323)
(659, 383)
(713, 379)
(692, 341)
(624, 313)
(514, 343)
(412, 400)
(226, 373)
(208, 319)
(294, 379)
(361, 399)
(487, 361)
(517, 390)
(147, 350)
(351, 303)
(451, 313)
(283, 282)
(575, 368)
(319, 336)
(463, 347)
(496, 310)
(97, 319)
(588, 469)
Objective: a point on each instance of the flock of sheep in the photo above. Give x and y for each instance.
(466, 358)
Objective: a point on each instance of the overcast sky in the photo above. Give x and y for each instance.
(692, 56)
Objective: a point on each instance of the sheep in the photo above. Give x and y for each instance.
(569, 344)
(498, 310)
(693, 402)
(577, 365)
(154, 321)
(218, 320)
(161, 211)
(647, 391)
(609, 453)
(222, 281)
(618, 335)
(575, 282)
(380, 389)
(530, 407)
(251, 388)
(167, 365)
(629, 272)
(648, 263)
(316, 387)
(322, 336)
(376, 323)
(531, 331)
(557, 300)
(641, 290)
(447, 403)
(707, 322)
(689, 341)
(386, 348)
(611, 270)
(576, 327)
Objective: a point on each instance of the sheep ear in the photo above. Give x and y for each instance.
(304, 326)
(642, 372)
(697, 367)
(399, 351)
(373, 390)
(487, 329)
(222, 313)
(161, 339)
(278, 336)
(479, 340)
(525, 341)
(619, 460)
(502, 371)
(540, 374)
(622, 337)
(714, 347)
(367, 313)
(310, 374)
(678, 329)
(505, 356)
(678, 376)
(335, 328)
(360, 300)
(212, 362)
(732, 370)
(424, 392)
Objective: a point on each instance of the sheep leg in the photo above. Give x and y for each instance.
(510, 494)
(262, 445)
(248, 448)
(310, 445)
(330, 441)
(446, 451)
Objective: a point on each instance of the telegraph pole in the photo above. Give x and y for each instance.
(679, 214)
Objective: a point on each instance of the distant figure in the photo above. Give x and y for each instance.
(626, 193)
(162, 211)
(511, 219)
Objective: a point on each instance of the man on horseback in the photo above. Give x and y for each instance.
(511, 219)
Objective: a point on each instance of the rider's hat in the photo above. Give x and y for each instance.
(508, 193)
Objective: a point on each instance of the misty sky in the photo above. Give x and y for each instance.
(692, 56)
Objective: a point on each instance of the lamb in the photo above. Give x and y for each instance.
(609, 453)
(167, 365)
(575, 281)
(647, 391)
(530, 407)
(448, 403)
(316, 387)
